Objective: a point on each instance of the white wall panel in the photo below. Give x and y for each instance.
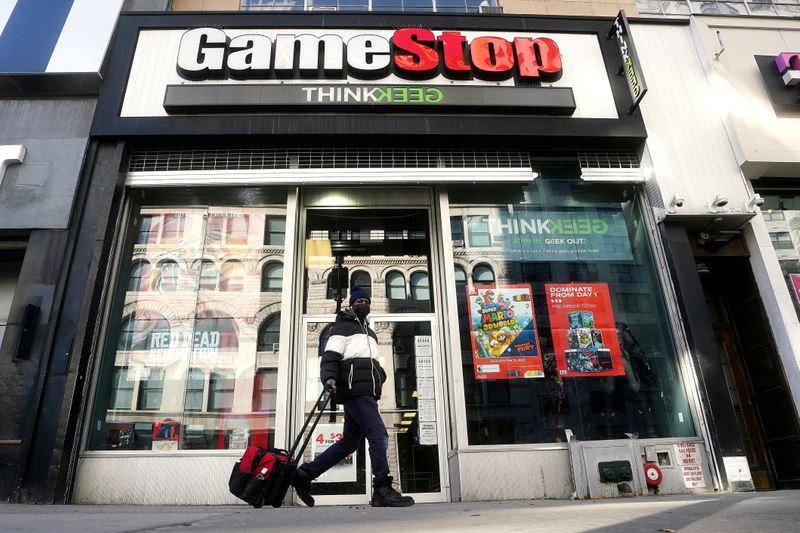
(691, 152)
(766, 144)
(6, 8)
(514, 475)
(168, 480)
(154, 67)
(85, 36)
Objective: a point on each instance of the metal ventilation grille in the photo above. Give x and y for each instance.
(255, 158)
(609, 159)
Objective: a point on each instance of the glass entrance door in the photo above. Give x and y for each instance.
(385, 251)
(411, 408)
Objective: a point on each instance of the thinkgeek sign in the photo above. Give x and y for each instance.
(631, 67)
(410, 54)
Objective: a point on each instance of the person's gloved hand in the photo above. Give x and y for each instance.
(331, 385)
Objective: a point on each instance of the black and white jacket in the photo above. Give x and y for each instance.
(351, 358)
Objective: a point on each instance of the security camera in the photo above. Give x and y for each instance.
(756, 201)
(719, 201)
(677, 201)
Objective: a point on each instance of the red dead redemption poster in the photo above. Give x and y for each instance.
(503, 333)
(583, 328)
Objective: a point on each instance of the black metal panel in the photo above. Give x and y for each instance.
(713, 386)
(22, 380)
(449, 129)
(50, 84)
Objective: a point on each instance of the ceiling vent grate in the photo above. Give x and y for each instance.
(609, 159)
(256, 158)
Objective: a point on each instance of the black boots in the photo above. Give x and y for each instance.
(386, 496)
(301, 482)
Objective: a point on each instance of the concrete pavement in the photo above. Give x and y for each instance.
(729, 513)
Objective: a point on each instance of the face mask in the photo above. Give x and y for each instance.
(361, 310)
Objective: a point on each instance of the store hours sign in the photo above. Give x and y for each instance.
(259, 70)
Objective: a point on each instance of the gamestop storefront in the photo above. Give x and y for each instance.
(479, 176)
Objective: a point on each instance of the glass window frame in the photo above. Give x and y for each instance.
(690, 405)
(124, 244)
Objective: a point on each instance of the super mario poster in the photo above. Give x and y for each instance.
(503, 332)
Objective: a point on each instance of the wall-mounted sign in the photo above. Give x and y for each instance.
(583, 328)
(781, 75)
(690, 458)
(411, 54)
(503, 332)
(631, 67)
(555, 235)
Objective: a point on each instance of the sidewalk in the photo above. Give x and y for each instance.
(741, 512)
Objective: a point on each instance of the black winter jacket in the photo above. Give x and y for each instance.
(351, 358)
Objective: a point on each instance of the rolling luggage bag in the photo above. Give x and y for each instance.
(261, 477)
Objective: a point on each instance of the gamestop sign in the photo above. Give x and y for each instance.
(408, 67)
(412, 53)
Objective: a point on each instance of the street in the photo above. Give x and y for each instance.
(728, 512)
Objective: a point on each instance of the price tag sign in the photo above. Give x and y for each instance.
(324, 437)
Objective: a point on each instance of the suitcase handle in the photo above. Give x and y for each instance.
(315, 414)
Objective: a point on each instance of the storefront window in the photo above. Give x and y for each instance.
(186, 359)
(562, 322)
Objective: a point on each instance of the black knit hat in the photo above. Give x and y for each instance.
(357, 292)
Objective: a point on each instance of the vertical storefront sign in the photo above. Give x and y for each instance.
(583, 328)
(503, 332)
(795, 279)
(423, 354)
(631, 67)
(325, 436)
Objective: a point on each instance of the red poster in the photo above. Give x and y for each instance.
(583, 328)
(795, 279)
(503, 332)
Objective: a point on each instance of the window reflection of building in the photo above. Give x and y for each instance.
(220, 391)
(151, 390)
(121, 389)
(168, 275)
(195, 390)
(199, 267)
(482, 274)
(362, 279)
(275, 230)
(420, 286)
(395, 286)
(140, 276)
(142, 330)
(269, 333)
(231, 276)
(209, 276)
(272, 277)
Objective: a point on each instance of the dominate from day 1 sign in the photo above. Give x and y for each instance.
(584, 331)
(503, 332)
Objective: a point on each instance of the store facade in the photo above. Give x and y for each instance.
(480, 177)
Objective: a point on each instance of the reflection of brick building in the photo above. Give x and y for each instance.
(199, 329)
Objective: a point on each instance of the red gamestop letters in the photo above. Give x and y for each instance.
(411, 53)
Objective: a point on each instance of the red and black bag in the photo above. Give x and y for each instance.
(261, 477)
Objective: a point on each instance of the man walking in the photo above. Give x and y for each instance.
(350, 369)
